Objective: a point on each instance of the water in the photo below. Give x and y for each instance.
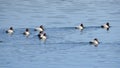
(65, 47)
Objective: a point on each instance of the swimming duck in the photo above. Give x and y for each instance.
(94, 41)
(27, 33)
(10, 30)
(106, 26)
(40, 33)
(42, 36)
(39, 28)
(81, 27)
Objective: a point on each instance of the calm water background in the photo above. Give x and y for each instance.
(65, 47)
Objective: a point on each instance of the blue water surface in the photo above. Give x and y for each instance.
(65, 47)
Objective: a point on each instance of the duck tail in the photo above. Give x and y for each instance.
(91, 42)
(102, 26)
(76, 28)
(6, 31)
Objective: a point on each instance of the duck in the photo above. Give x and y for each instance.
(106, 26)
(10, 30)
(94, 42)
(39, 28)
(26, 33)
(42, 36)
(81, 27)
